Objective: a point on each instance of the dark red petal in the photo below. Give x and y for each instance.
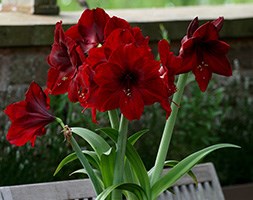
(115, 23)
(107, 75)
(91, 25)
(94, 115)
(19, 135)
(96, 56)
(218, 23)
(37, 100)
(167, 108)
(15, 110)
(218, 64)
(78, 87)
(108, 99)
(58, 81)
(189, 61)
(188, 46)
(192, 27)
(132, 106)
(116, 39)
(207, 32)
(217, 47)
(73, 90)
(140, 40)
(164, 50)
(202, 77)
(127, 55)
(168, 59)
(73, 33)
(58, 31)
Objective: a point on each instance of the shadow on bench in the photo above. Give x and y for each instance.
(208, 188)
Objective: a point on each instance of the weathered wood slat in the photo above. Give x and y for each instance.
(208, 188)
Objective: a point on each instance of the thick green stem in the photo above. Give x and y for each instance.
(168, 129)
(82, 159)
(120, 156)
(114, 119)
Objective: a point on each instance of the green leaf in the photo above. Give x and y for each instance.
(134, 138)
(172, 163)
(138, 166)
(131, 187)
(107, 167)
(182, 168)
(91, 156)
(83, 171)
(69, 158)
(130, 176)
(79, 171)
(98, 144)
(134, 159)
(85, 163)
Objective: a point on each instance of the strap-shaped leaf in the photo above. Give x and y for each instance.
(133, 158)
(83, 171)
(135, 137)
(98, 144)
(172, 163)
(85, 163)
(130, 176)
(91, 156)
(131, 187)
(107, 167)
(182, 168)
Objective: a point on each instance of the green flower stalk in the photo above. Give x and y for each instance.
(114, 119)
(168, 129)
(120, 156)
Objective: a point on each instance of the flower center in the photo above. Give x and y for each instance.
(128, 80)
(201, 66)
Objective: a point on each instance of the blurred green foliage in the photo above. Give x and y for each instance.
(71, 5)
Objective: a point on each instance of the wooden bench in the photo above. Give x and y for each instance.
(208, 188)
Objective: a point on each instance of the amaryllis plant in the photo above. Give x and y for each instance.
(106, 65)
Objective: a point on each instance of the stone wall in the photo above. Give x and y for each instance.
(25, 40)
(19, 66)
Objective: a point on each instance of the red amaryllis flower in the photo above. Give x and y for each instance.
(28, 117)
(170, 65)
(194, 25)
(129, 81)
(204, 53)
(89, 32)
(63, 61)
